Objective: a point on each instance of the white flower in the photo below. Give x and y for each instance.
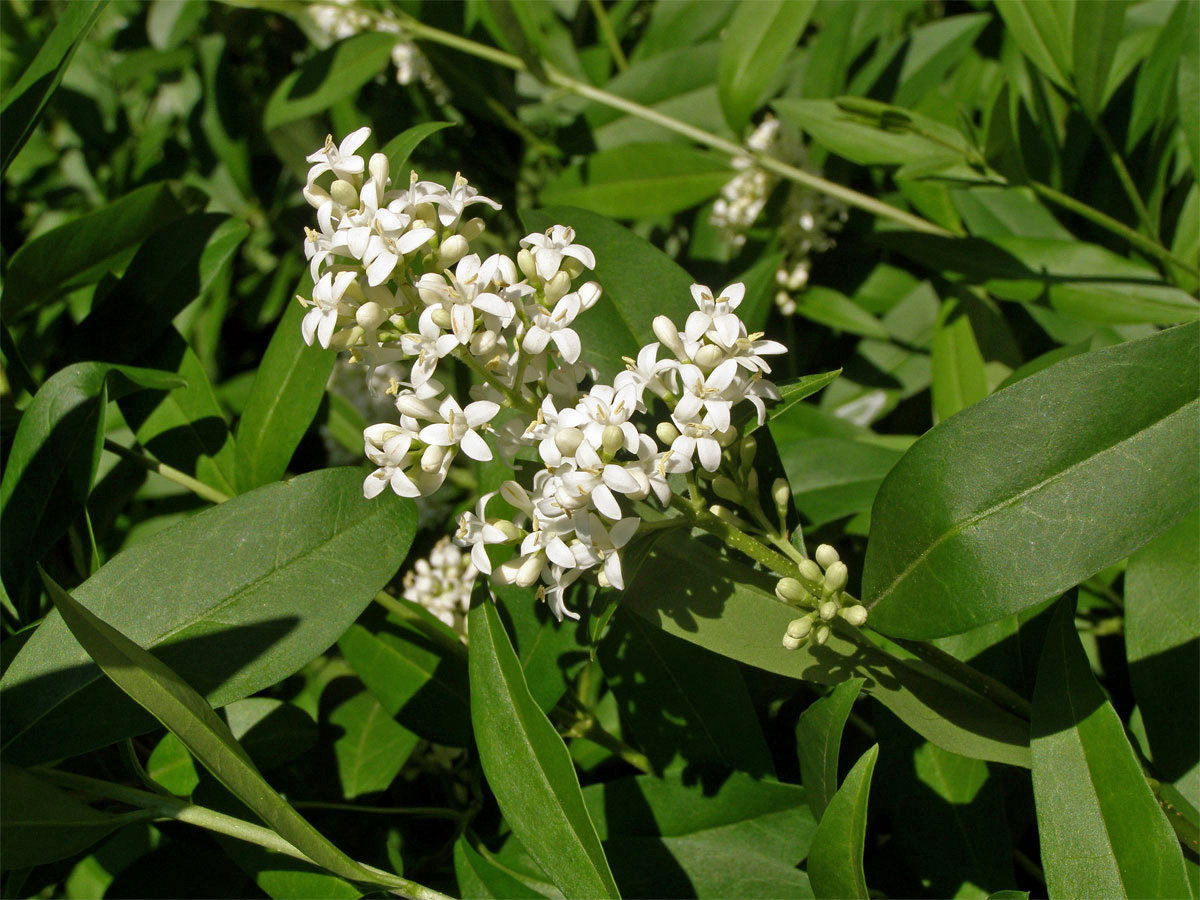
(463, 295)
(555, 326)
(696, 438)
(715, 313)
(708, 394)
(549, 249)
(321, 320)
(601, 407)
(442, 584)
(475, 532)
(388, 447)
(644, 372)
(388, 242)
(458, 427)
(429, 346)
(460, 196)
(340, 159)
(598, 544)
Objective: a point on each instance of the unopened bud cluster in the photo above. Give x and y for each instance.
(820, 588)
(442, 584)
(397, 282)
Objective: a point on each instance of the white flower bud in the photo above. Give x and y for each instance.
(791, 643)
(527, 266)
(668, 336)
(452, 250)
(826, 556)
(557, 287)
(370, 315)
(567, 440)
(821, 634)
(531, 570)
(483, 343)
(810, 571)
(343, 340)
(441, 318)
(612, 439)
(666, 433)
(572, 266)
(724, 488)
(410, 405)
(709, 357)
(431, 459)
(589, 292)
(800, 628)
(789, 590)
(856, 615)
(379, 169)
(829, 609)
(344, 194)
(781, 492)
(836, 576)
(472, 228)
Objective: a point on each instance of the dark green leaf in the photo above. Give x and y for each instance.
(235, 598)
(819, 741)
(549, 652)
(792, 392)
(1189, 86)
(832, 477)
(758, 40)
(271, 731)
(372, 748)
(677, 71)
(1095, 33)
(1101, 830)
(284, 878)
(27, 98)
(1102, 447)
(1043, 32)
(328, 77)
(959, 377)
(835, 861)
(481, 879)
(43, 824)
(171, 765)
(169, 23)
(400, 148)
(528, 767)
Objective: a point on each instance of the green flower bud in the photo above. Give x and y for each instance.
(344, 194)
(829, 609)
(789, 590)
(527, 266)
(810, 571)
(781, 493)
(666, 433)
(826, 556)
(511, 531)
(441, 317)
(747, 451)
(835, 577)
(472, 228)
(821, 634)
(856, 615)
(557, 287)
(791, 643)
(724, 488)
(800, 628)
(612, 439)
(726, 437)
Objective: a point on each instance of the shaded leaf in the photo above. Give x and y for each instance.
(1095, 33)
(373, 748)
(835, 861)
(480, 879)
(757, 41)
(328, 77)
(959, 377)
(819, 742)
(400, 148)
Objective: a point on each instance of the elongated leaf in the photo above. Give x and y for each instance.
(759, 39)
(53, 460)
(1162, 644)
(27, 98)
(959, 377)
(686, 709)
(1102, 832)
(549, 652)
(819, 741)
(1096, 31)
(694, 592)
(670, 837)
(481, 879)
(77, 252)
(634, 181)
(1189, 86)
(639, 283)
(328, 77)
(271, 731)
(234, 598)
(832, 477)
(400, 148)
(835, 861)
(1102, 447)
(1156, 79)
(932, 50)
(372, 749)
(287, 391)
(171, 700)
(791, 393)
(828, 307)
(171, 765)
(677, 71)
(528, 767)
(285, 878)
(42, 823)
(1043, 32)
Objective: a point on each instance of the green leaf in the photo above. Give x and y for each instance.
(686, 709)
(257, 587)
(959, 377)
(676, 72)
(819, 741)
(171, 766)
(695, 592)
(372, 749)
(1042, 29)
(285, 878)
(480, 879)
(27, 98)
(528, 767)
(80, 251)
(171, 700)
(1162, 644)
(168, 23)
(287, 392)
(835, 861)
(673, 837)
(792, 392)
(1102, 832)
(548, 650)
(832, 477)
(826, 306)
(1101, 446)
(43, 824)
(635, 181)
(400, 148)
(1096, 31)
(328, 77)
(1189, 86)
(639, 281)
(53, 460)
(758, 40)
(932, 50)
(271, 731)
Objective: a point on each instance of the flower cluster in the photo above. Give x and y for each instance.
(821, 590)
(442, 584)
(397, 283)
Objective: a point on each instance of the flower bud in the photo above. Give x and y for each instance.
(589, 292)
(452, 250)
(826, 556)
(821, 634)
(612, 439)
(527, 266)
(567, 440)
(511, 531)
(370, 315)
(431, 459)
(472, 228)
(410, 405)
(789, 590)
(709, 357)
(800, 628)
(378, 167)
(724, 488)
(344, 194)
(747, 451)
(856, 615)
(829, 609)
(727, 437)
(668, 336)
(752, 486)
(781, 493)
(483, 343)
(345, 339)
(836, 576)
(666, 433)
(557, 287)
(791, 643)
(810, 571)
(441, 318)
(426, 212)
(531, 569)
(572, 266)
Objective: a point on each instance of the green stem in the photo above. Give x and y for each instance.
(604, 26)
(514, 397)
(403, 611)
(851, 197)
(1127, 183)
(1000, 694)
(199, 488)
(738, 539)
(1135, 238)
(429, 812)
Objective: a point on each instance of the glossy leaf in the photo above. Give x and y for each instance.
(959, 377)
(328, 77)
(287, 391)
(46, 268)
(25, 100)
(723, 605)
(548, 650)
(1095, 32)
(634, 181)
(1101, 830)
(671, 837)
(639, 281)
(835, 861)
(1108, 438)
(481, 879)
(43, 824)
(372, 748)
(833, 477)
(257, 587)
(1162, 644)
(528, 767)
(285, 878)
(819, 742)
(758, 40)
(171, 700)
(400, 148)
